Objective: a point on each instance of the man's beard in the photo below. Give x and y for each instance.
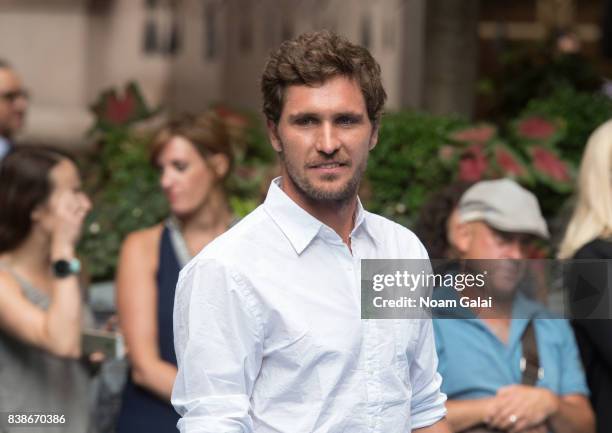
(311, 192)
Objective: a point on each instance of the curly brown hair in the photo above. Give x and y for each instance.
(311, 59)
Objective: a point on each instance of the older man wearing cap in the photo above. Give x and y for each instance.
(503, 370)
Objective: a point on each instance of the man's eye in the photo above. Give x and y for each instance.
(504, 238)
(306, 121)
(346, 120)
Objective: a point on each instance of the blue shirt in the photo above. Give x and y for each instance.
(474, 363)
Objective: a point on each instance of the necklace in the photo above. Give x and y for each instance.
(178, 241)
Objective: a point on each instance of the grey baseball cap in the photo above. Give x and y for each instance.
(504, 205)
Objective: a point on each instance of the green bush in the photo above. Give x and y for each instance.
(126, 196)
(410, 162)
(582, 113)
(404, 167)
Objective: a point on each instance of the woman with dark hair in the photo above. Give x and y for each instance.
(194, 157)
(42, 208)
(438, 220)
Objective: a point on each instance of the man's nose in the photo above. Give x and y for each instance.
(328, 141)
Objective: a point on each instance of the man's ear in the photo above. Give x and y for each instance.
(374, 136)
(463, 237)
(273, 135)
(220, 164)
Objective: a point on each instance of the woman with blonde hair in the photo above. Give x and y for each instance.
(589, 237)
(591, 221)
(194, 157)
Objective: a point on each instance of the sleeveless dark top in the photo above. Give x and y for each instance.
(141, 410)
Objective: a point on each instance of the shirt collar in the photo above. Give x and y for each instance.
(299, 226)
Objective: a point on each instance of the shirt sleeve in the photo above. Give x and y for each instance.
(573, 380)
(427, 406)
(441, 353)
(218, 344)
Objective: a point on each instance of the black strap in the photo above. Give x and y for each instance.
(530, 362)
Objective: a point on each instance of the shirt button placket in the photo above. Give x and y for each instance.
(372, 381)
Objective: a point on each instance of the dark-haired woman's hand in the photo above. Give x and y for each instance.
(68, 213)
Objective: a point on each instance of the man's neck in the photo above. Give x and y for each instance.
(338, 215)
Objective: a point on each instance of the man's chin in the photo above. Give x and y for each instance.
(330, 191)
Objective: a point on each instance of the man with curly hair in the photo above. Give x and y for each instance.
(268, 329)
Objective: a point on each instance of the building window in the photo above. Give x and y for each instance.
(162, 31)
(173, 36)
(150, 43)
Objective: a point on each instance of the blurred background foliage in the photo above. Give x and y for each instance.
(404, 167)
(124, 185)
(537, 137)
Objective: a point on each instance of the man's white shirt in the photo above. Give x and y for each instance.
(269, 338)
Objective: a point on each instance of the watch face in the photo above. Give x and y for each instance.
(63, 268)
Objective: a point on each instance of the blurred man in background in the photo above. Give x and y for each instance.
(13, 106)
(510, 367)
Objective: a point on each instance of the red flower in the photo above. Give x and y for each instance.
(473, 164)
(478, 134)
(506, 160)
(120, 110)
(549, 164)
(536, 128)
(231, 117)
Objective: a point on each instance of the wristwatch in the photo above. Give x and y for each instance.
(64, 268)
